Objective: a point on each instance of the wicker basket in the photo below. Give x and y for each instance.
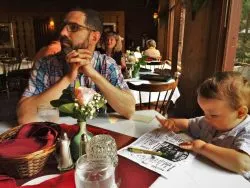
(26, 165)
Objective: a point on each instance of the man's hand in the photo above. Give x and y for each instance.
(80, 61)
(74, 66)
(195, 145)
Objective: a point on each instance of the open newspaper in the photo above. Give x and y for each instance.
(159, 152)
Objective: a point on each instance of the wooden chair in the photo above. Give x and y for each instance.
(160, 87)
(10, 79)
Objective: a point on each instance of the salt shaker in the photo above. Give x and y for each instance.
(64, 159)
(83, 144)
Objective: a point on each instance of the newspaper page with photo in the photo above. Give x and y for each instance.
(158, 150)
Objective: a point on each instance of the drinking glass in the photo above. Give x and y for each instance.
(104, 147)
(94, 173)
(48, 113)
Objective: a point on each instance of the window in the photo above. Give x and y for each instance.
(6, 35)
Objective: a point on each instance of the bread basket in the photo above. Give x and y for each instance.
(26, 165)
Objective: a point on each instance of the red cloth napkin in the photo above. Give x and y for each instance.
(30, 138)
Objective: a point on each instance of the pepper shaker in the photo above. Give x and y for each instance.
(83, 144)
(64, 159)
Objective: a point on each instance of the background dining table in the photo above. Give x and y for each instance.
(200, 173)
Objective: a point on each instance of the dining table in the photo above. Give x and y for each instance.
(25, 64)
(200, 173)
(146, 72)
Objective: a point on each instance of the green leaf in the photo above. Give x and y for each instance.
(67, 94)
(59, 102)
(67, 108)
(142, 60)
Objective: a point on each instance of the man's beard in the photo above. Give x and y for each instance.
(67, 45)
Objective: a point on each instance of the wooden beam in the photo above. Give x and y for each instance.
(176, 36)
(233, 24)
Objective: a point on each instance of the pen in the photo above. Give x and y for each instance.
(138, 150)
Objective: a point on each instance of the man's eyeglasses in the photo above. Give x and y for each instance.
(74, 27)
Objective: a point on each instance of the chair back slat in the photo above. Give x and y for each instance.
(157, 102)
(164, 101)
(140, 100)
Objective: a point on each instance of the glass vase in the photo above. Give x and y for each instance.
(135, 73)
(75, 143)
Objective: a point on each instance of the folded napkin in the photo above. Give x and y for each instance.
(30, 138)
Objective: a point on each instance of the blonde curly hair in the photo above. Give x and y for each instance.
(118, 38)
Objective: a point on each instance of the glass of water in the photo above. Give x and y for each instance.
(48, 113)
(94, 173)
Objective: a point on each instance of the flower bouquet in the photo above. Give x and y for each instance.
(137, 66)
(83, 104)
(137, 59)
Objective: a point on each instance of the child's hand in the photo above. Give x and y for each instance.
(169, 124)
(195, 145)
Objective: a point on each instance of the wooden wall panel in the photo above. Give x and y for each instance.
(23, 32)
(25, 37)
(117, 17)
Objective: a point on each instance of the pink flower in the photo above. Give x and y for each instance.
(84, 95)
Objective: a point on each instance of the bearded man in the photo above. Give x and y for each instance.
(78, 60)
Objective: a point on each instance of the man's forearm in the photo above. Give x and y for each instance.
(121, 101)
(27, 106)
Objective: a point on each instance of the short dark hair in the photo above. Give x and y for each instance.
(230, 86)
(93, 18)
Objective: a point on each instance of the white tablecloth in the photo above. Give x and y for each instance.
(200, 173)
(26, 64)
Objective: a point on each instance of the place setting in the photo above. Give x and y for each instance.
(95, 166)
(84, 157)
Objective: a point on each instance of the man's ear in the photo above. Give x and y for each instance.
(242, 111)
